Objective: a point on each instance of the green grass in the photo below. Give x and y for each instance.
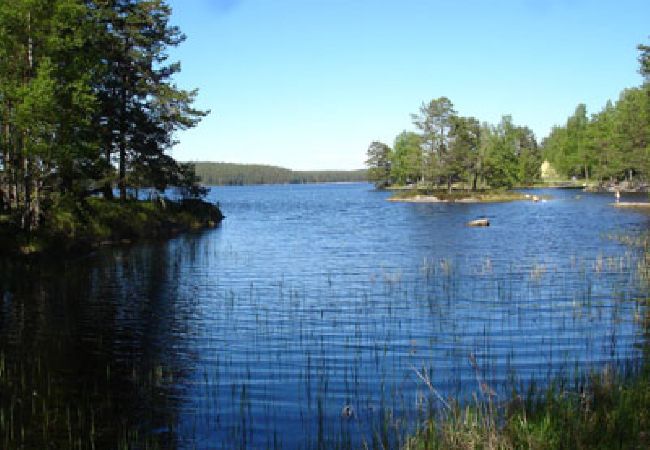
(71, 224)
(605, 412)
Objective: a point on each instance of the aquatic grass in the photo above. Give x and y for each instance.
(283, 351)
(604, 411)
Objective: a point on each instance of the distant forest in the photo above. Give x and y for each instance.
(228, 174)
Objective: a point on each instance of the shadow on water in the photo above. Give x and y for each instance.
(302, 321)
(91, 355)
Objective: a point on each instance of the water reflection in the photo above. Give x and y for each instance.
(86, 358)
(308, 300)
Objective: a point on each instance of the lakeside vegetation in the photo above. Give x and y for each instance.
(89, 108)
(603, 411)
(228, 174)
(73, 226)
(89, 105)
(609, 408)
(450, 151)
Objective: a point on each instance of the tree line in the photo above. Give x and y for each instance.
(612, 145)
(87, 102)
(228, 174)
(448, 149)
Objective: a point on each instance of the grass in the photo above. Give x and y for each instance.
(278, 325)
(70, 224)
(602, 412)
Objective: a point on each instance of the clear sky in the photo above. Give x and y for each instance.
(308, 84)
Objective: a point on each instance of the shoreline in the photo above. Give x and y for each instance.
(76, 227)
(416, 196)
(641, 205)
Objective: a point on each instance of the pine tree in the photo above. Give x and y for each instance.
(141, 108)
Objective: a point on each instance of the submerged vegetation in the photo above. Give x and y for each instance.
(603, 411)
(165, 351)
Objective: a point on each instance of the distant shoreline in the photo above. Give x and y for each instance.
(230, 174)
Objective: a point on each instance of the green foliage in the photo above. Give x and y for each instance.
(407, 159)
(87, 99)
(453, 149)
(464, 157)
(610, 146)
(379, 164)
(227, 174)
(72, 223)
(510, 155)
(435, 124)
(644, 61)
(604, 413)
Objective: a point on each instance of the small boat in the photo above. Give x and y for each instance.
(479, 223)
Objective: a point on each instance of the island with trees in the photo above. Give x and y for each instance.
(452, 157)
(88, 114)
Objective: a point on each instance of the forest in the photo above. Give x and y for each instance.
(447, 149)
(88, 105)
(610, 146)
(228, 174)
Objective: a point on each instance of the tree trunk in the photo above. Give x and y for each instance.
(35, 206)
(8, 164)
(107, 189)
(123, 127)
(27, 198)
(122, 163)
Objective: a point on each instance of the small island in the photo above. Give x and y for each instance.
(452, 158)
(488, 196)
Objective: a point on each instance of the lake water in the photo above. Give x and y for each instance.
(306, 300)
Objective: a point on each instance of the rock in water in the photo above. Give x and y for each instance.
(479, 223)
(347, 412)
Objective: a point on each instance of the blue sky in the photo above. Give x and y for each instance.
(308, 84)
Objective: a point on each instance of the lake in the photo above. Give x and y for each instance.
(307, 300)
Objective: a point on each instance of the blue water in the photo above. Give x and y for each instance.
(311, 298)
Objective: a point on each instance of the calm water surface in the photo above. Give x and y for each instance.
(307, 299)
